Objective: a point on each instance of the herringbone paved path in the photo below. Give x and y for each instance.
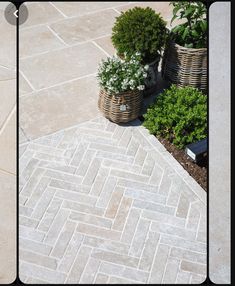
(102, 203)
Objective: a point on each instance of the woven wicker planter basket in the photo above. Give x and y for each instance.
(119, 108)
(185, 66)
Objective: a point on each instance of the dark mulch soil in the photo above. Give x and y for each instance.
(197, 171)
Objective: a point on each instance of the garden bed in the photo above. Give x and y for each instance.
(197, 171)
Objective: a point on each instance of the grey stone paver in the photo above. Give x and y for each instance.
(126, 231)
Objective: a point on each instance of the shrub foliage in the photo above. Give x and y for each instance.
(139, 30)
(193, 32)
(179, 115)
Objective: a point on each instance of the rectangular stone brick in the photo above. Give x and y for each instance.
(92, 172)
(106, 193)
(120, 219)
(159, 263)
(121, 166)
(38, 259)
(63, 239)
(107, 148)
(156, 176)
(118, 133)
(32, 182)
(43, 203)
(183, 207)
(132, 148)
(137, 185)
(148, 166)
(182, 243)
(77, 197)
(193, 267)
(91, 219)
(114, 202)
(140, 156)
(148, 251)
(25, 211)
(56, 226)
(196, 279)
(29, 222)
(48, 275)
(101, 279)
(125, 272)
(34, 246)
(139, 238)
(98, 232)
(84, 164)
(125, 139)
(68, 186)
(129, 175)
(183, 278)
(51, 158)
(172, 268)
(145, 196)
(30, 233)
(107, 245)
(130, 226)
(49, 215)
(90, 271)
(184, 254)
(153, 207)
(27, 170)
(57, 167)
(63, 176)
(70, 253)
(38, 191)
(173, 230)
(99, 181)
(166, 181)
(79, 265)
(78, 155)
(115, 257)
(114, 156)
(164, 218)
(83, 208)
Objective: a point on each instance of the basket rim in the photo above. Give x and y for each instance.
(179, 47)
(120, 93)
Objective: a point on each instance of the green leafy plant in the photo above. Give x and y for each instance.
(179, 115)
(193, 32)
(139, 30)
(116, 75)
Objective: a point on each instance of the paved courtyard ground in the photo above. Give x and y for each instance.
(99, 202)
(102, 203)
(7, 150)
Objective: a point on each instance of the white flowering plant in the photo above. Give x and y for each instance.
(116, 75)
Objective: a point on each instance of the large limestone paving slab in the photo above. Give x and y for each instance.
(58, 107)
(7, 93)
(62, 65)
(106, 203)
(8, 144)
(7, 228)
(70, 9)
(41, 13)
(36, 40)
(87, 27)
(8, 42)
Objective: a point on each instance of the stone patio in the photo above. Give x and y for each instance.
(99, 202)
(7, 150)
(104, 203)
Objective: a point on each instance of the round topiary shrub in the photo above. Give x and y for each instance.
(179, 115)
(139, 30)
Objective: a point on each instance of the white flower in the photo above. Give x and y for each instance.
(146, 67)
(141, 87)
